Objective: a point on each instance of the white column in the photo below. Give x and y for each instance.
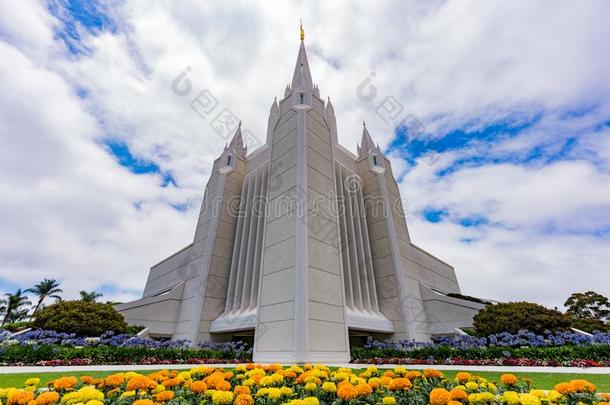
(236, 248)
(343, 240)
(260, 210)
(249, 265)
(241, 265)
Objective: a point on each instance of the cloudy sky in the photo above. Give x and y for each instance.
(499, 134)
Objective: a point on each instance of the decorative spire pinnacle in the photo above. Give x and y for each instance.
(302, 32)
(301, 79)
(366, 144)
(237, 143)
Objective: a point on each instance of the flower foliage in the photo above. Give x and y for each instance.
(250, 384)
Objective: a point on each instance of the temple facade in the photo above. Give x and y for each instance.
(302, 247)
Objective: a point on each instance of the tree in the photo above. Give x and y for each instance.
(84, 318)
(15, 307)
(588, 305)
(46, 288)
(90, 296)
(514, 316)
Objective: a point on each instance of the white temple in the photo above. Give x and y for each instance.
(302, 245)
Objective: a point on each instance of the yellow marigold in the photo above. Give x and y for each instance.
(65, 383)
(529, 399)
(439, 396)
(508, 379)
(329, 386)
(94, 402)
(287, 391)
(222, 397)
(511, 398)
(32, 381)
(49, 397)
(458, 395)
(471, 386)
(241, 389)
(311, 401)
(274, 393)
(83, 395)
(400, 371)
(20, 397)
(388, 401)
(244, 399)
(347, 392)
(114, 380)
(311, 386)
(432, 373)
(462, 377)
(555, 396)
(143, 402)
(399, 384)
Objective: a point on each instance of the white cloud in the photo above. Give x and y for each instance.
(68, 208)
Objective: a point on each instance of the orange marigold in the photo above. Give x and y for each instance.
(164, 396)
(388, 373)
(347, 392)
(458, 395)
(439, 396)
(172, 382)
(241, 389)
(199, 387)
(399, 384)
(411, 375)
(432, 373)
(65, 383)
(20, 397)
(140, 382)
(244, 399)
(143, 402)
(364, 390)
(86, 379)
(508, 379)
(564, 388)
(582, 386)
(223, 386)
(462, 377)
(46, 398)
(114, 380)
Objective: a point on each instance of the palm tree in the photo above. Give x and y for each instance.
(45, 288)
(15, 304)
(89, 296)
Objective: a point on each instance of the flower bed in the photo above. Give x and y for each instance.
(307, 385)
(521, 349)
(49, 348)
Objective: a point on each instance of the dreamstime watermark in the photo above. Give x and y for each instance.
(393, 114)
(207, 106)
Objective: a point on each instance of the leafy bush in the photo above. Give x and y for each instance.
(515, 316)
(81, 318)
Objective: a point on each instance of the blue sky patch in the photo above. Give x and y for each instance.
(123, 155)
(78, 15)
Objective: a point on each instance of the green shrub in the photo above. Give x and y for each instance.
(80, 317)
(514, 316)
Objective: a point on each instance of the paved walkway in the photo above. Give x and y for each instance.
(501, 369)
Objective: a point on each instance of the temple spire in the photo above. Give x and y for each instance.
(237, 143)
(301, 78)
(366, 144)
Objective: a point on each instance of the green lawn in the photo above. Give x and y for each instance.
(540, 380)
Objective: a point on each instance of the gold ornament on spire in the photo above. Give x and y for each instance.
(302, 32)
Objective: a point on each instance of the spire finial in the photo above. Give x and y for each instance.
(302, 31)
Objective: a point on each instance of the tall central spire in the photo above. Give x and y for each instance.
(301, 79)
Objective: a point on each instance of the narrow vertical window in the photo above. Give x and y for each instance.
(229, 160)
(374, 160)
(302, 102)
